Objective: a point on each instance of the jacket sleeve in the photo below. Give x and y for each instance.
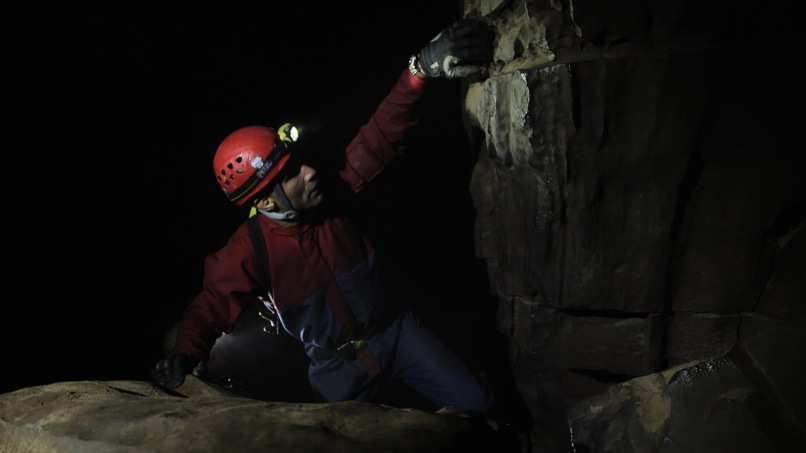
(381, 139)
(230, 282)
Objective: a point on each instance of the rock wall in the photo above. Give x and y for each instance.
(640, 199)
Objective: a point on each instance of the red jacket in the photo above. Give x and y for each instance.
(322, 274)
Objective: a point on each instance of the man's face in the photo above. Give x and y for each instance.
(301, 186)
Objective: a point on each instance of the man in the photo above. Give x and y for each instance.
(324, 283)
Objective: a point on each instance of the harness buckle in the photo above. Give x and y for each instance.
(347, 351)
(273, 318)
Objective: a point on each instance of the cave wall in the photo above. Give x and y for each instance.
(639, 189)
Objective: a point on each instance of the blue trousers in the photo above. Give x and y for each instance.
(409, 352)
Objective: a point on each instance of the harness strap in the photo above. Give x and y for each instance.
(261, 254)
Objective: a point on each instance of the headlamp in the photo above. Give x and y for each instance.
(288, 133)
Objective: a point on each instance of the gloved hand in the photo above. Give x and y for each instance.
(459, 50)
(170, 372)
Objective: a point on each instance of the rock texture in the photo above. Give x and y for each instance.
(133, 416)
(640, 201)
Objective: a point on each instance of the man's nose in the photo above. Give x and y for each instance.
(307, 171)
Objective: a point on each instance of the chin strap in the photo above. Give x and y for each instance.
(289, 215)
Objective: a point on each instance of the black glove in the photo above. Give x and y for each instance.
(459, 50)
(170, 372)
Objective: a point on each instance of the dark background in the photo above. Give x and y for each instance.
(112, 121)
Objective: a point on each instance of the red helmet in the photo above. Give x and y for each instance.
(250, 158)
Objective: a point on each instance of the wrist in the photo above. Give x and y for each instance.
(414, 66)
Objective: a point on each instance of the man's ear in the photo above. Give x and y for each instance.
(266, 204)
